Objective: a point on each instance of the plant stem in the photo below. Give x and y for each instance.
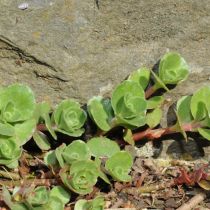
(36, 182)
(9, 175)
(157, 133)
(41, 127)
(151, 90)
(193, 202)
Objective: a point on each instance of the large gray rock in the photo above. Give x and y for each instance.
(70, 48)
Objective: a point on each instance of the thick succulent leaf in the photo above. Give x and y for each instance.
(98, 203)
(101, 112)
(200, 103)
(141, 76)
(129, 104)
(205, 133)
(102, 175)
(75, 133)
(38, 196)
(69, 118)
(6, 129)
(41, 140)
(155, 102)
(9, 152)
(183, 109)
(24, 131)
(50, 159)
(179, 128)
(42, 112)
(153, 118)
(82, 204)
(102, 147)
(158, 82)
(173, 68)
(95, 204)
(49, 126)
(54, 203)
(59, 154)
(128, 137)
(17, 103)
(82, 177)
(60, 193)
(41, 109)
(119, 165)
(77, 150)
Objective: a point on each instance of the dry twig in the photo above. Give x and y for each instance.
(193, 202)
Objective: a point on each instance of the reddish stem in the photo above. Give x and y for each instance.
(150, 91)
(41, 127)
(157, 133)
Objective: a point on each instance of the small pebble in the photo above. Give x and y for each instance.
(23, 6)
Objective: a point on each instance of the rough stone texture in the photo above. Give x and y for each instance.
(73, 49)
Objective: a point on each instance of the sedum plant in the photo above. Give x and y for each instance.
(69, 118)
(81, 176)
(79, 173)
(135, 106)
(39, 198)
(17, 105)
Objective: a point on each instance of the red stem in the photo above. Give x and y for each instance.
(157, 133)
(41, 127)
(149, 91)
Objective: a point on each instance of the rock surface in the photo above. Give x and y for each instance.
(71, 48)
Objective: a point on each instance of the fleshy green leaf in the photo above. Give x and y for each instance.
(101, 112)
(59, 154)
(183, 109)
(200, 103)
(128, 137)
(9, 152)
(54, 203)
(24, 131)
(69, 118)
(155, 102)
(119, 165)
(95, 204)
(141, 76)
(153, 118)
(41, 109)
(17, 103)
(129, 104)
(158, 82)
(77, 150)
(205, 133)
(60, 193)
(48, 124)
(38, 196)
(6, 129)
(173, 68)
(41, 140)
(50, 158)
(102, 147)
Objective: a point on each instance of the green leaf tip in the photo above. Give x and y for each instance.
(141, 76)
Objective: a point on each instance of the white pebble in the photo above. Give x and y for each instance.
(23, 6)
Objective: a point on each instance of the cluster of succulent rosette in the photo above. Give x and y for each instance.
(134, 103)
